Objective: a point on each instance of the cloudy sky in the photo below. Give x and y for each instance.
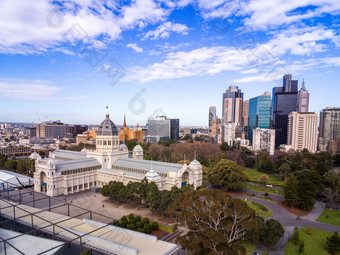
(68, 60)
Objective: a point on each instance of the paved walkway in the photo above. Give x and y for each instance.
(316, 212)
(289, 221)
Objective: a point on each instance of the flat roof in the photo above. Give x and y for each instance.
(69, 154)
(110, 238)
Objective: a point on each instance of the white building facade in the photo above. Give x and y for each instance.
(67, 172)
(264, 139)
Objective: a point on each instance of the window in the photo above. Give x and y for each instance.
(108, 142)
(85, 186)
(69, 189)
(80, 186)
(95, 183)
(104, 142)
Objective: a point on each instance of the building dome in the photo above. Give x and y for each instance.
(152, 175)
(123, 147)
(107, 127)
(195, 163)
(50, 162)
(138, 148)
(34, 155)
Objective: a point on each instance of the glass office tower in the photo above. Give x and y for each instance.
(259, 113)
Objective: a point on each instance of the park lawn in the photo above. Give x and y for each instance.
(314, 243)
(333, 217)
(165, 228)
(254, 175)
(259, 212)
(250, 248)
(264, 189)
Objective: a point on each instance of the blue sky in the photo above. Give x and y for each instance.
(67, 60)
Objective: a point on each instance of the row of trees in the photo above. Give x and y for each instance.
(143, 194)
(25, 166)
(219, 224)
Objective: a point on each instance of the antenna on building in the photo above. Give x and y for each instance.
(303, 84)
(195, 155)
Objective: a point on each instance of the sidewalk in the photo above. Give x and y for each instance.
(316, 212)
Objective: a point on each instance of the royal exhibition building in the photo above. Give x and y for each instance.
(66, 172)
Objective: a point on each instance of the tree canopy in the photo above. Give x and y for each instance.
(227, 173)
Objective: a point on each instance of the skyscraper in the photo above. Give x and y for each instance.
(329, 129)
(232, 105)
(303, 99)
(259, 113)
(245, 113)
(284, 101)
(212, 116)
(303, 131)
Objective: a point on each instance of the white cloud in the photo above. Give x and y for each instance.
(257, 58)
(18, 89)
(264, 14)
(135, 47)
(36, 27)
(164, 30)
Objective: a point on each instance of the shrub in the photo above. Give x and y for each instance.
(138, 218)
(147, 228)
(154, 226)
(139, 224)
(309, 231)
(140, 230)
(266, 194)
(124, 218)
(123, 224)
(131, 226)
(264, 179)
(296, 236)
(333, 243)
(131, 217)
(146, 221)
(302, 247)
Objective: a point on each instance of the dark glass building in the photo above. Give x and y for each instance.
(285, 100)
(259, 113)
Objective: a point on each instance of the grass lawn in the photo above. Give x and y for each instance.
(264, 189)
(314, 243)
(254, 175)
(165, 228)
(258, 210)
(333, 217)
(250, 248)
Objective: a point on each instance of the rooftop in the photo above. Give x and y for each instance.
(76, 164)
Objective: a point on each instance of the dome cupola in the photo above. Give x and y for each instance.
(107, 127)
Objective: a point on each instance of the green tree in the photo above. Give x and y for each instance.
(218, 223)
(285, 169)
(227, 173)
(290, 190)
(302, 247)
(306, 194)
(272, 232)
(296, 236)
(265, 165)
(85, 252)
(11, 165)
(264, 179)
(331, 180)
(21, 167)
(333, 243)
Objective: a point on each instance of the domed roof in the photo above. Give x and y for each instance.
(152, 175)
(107, 127)
(123, 147)
(34, 155)
(195, 162)
(138, 148)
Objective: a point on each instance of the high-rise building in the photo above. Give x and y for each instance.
(212, 116)
(245, 113)
(303, 99)
(174, 129)
(264, 139)
(52, 129)
(161, 128)
(329, 129)
(303, 131)
(229, 134)
(284, 101)
(259, 113)
(77, 129)
(232, 105)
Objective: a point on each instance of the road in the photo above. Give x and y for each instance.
(289, 221)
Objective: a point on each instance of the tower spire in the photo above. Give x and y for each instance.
(303, 84)
(124, 125)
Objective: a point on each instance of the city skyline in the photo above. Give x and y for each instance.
(173, 58)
